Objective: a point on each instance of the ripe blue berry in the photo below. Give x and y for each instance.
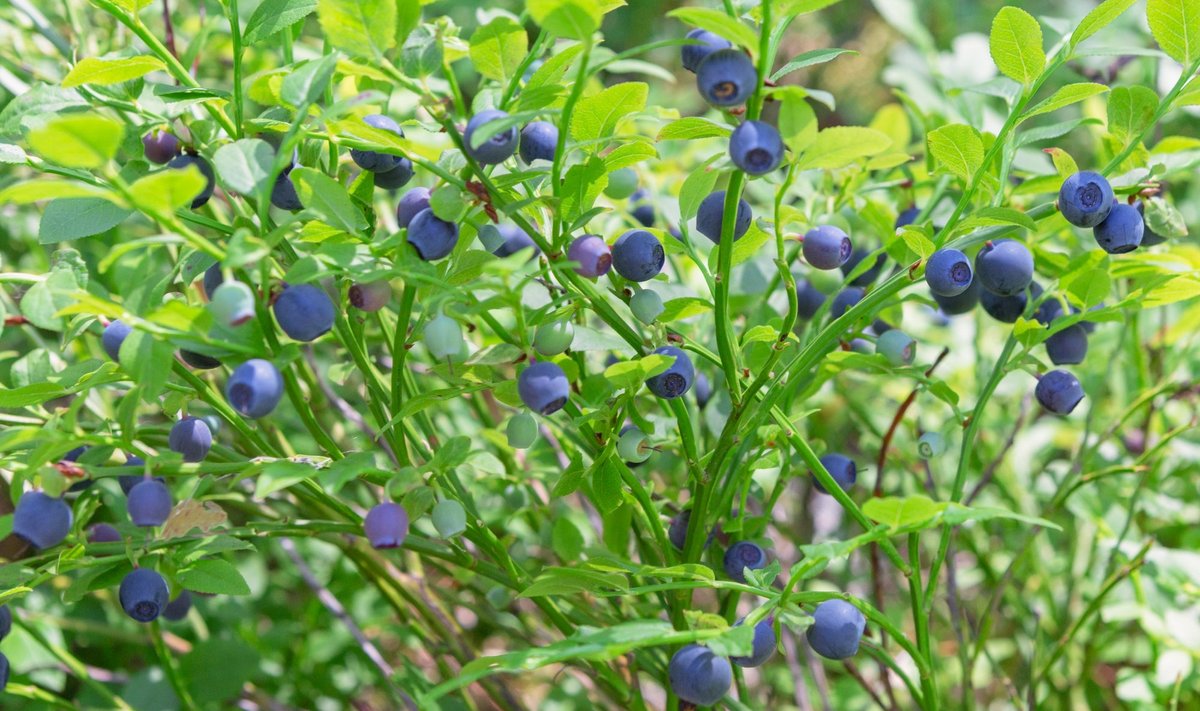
(149, 503)
(712, 211)
(622, 183)
(431, 236)
(707, 43)
(836, 630)
(592, 255)
(638, 256)
(1149, 236)
(199, 361)
(232, 304)
(1121, 231)
(897, 346)
(375, 161)
(4, 671)
(205, 168)
(676, 380)
(646, 305)
(677, 530)
(1059, 392)
(212, 279)
(5, 621)
(543, 387)
(177, 609)
(930, 445)
(756, 148)
(496, 149)
(370, 296)
(1067, 346)
(397, 177)
(449, 518)
(254, 388)
(443, 337)
(127, 482)
(698, 676)
(641, 208)
(114, 335)
(845, 299)
(522, 430)
(764, 646)
(1085, 199)
(948, 272)
(827, 247)
(191, 438)
(386, 525)
(726, 77)
(704, 391)
(1007, 309)
(41, 519)
(871, 274)
(144, 594)
(304, 312)
(283, 193)
(103, 533)
(515, 240)
(160, 147)
(553, 338)
(741, 555)
(808, 300)
(539, 139)
(841, 468)
(907, 217)
(961, 304)
(411, 203)
(1004, 267)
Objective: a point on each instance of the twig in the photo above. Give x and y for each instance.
(799, 687)
(169, 31)
(852, 669)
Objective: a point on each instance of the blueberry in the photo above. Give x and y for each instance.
(411, 203)
(1149, 236)
(370, 296)
(632, 446)
(149, 503)
(1004, 267)
(907, 217)
(397, 177)
(677, 530)
(1068, 346)
(1085, 199)
(836, 630)
(515, 240)
(841, 468)
(4, 671)
(543, 387)
(698, 676)
(160, 147)
(641, 208)
(254, 388)
(41, 519)
(554, 337)
(704, 390)
(205, 168)
(386, 525)
(622, 183)
(144, 594)
(638, 256)
(726, 77)
(1052, 308)
(764, 646)
(870, 275)
(522, 430)
(232, 304)
(283, 193)
(1059, 392)
(5, 621)
(827, 247)
(712, 212)
(496, 149)
(845, 299)
(808, 300)
(646, 305)
(539, 139)
(880, 327)
(1007, 309)
(114, 335)
(375, 161)
(592, 255)
(191, 438)
(741, 555)
(449, 518)
(948, 272)
(212, 279)
(199, 361)
(103, 533)
(177, 609)
(930, 445)
(707, 43)
(129, 481)
(431, 236)
(304, 312)
(896, 346)
(1121, 231)
(756, 147)
(676, 380)
(961, 304)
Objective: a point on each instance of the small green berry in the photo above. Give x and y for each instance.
(621, 183)
(522, 430)
(553, 338)
(646, 305)
(443, 337)
(632, 446)
(897, 346)
(449, 518)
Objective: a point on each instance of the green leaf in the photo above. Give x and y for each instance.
(718, 23)
(684, 308)
(214, 576)
(840, 146)
(1175, 25)
(244, 165)
(797, 121)
(567, 581)
(692, 127)
(498, 48)
(629, 154)
(630, 374)
(1016, 44)
(1130, 111)
(327, 197)
(1100, 17)
(32, 394)
(808, 59)
(307, 84)
(1065, 96)
(78, 140)
(596, 116)
(573, 19)
(989, 216)
(28, 191)
(1087, 278)
(275, 15)
(697, 186)
(566, 539)
(582, 184)
(916, 240)
(111, 71)
(359, 27)
(148, 360)
(39, 101)
(448, 203)
(570, 480)
(904, 512)
(1064, 164)
(1164, 219)
(958, 149)
(957, 513)
(422, 52)
(168, 190)
(72, 218)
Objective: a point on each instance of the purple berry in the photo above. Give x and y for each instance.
(827, 247)
(411, 203)
(191, 438)
(386, 525)
(495, 149)
(592, 255)
(304, 312)
(756, 147)
(712, 211)
(543, 387)
(638, 256)
(254, 388)
(432, 237)
(42, 520)
(160, 147)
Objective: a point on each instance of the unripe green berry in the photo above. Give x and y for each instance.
(232, 303)
(522, 430)
(897, 346)
(554, 337)
(443, 337)
(449, 518)
(646, 305)
(621, 183)
(632, 446)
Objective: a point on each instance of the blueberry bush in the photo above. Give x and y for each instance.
(574, 354)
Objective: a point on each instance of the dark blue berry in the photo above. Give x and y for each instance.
(515, 240)
(638, 256)
(205, 168)
(756, 147)
(410, 204)
(114, 335)
(1068, 346)
(809, 300)
(961, 304)
(386, 525)
(431, 236)
(149, 503)
(591, 254)
(676, 380)
(845, 299)
(191, 438)
(1004, 267)
(841, 468)
(144, 594)
(678, 528)
(160, 147)
(827, 247)
(704, 391)
(103, 533)
(836, 630)
(726, 77)
(764, 645)
(698, 676)
(712, 211)
(1121, 231)
(707, 43)
(304, 312)
(1059, 392)
(741, 555)
(539, 140)
(5, 621)
(397, 177)
(375, 161)
(543, 387)
(1007, 309)
(41, 519)
(4, 672)
(641, 208)
(871, 274)
(177, 609)
(1085, 199)
(254, 388)
(907, 217)
(283, 193)
(496, 149)
(948, 272)
(212, 279)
